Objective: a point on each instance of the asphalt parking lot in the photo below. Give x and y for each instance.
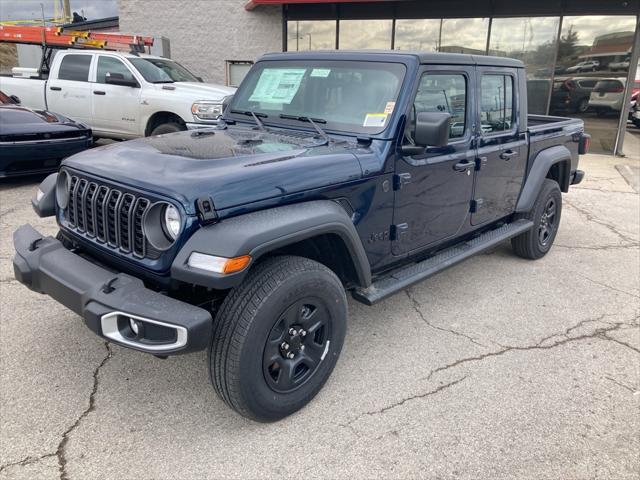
(498, 368)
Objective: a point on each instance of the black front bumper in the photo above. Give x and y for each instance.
(107, 300)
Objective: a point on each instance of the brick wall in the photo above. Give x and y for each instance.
(206, 33)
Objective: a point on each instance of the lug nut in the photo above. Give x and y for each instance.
(301, 347)
(303, 333)
(285, 346)
(293, 331)
(290, 355)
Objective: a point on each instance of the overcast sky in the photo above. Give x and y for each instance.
(30, 9)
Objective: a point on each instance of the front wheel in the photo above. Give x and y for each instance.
(545, 216)
(277, 337)
(170, 127)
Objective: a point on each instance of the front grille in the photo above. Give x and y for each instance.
(109, 215)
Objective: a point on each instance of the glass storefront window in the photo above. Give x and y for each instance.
(311, 35)
(422, 35)
(463, 35)
(532, 40)
(365, 34)
(591, 74)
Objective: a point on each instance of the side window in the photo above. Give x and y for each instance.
(111, 65)
(496, 103)
(444, 92)
(75, 67)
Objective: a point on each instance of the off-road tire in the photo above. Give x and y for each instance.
(170, 127)
(243, 335)
(530, 244)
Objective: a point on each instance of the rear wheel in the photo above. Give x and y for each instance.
(583, 105)
(170, 127)
(277, 337)
(545, 216)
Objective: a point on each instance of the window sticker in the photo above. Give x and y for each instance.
(278, 85)
(375, 120)
(320, 72)
(389, 108)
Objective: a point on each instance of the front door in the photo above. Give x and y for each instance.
(502, 146)
(115, 108)
(434, 189)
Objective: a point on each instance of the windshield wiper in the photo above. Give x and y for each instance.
(312, 121)
(256, 116)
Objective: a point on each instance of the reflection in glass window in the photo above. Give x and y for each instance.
(464, 35)
(361, 34)
(311, 35)
(496, 103)
(422, 35)
(593, 47)
(444, 93)
(111, 65)
(532, 40)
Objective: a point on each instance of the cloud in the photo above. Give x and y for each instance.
(31, 10)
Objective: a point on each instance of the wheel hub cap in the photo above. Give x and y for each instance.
(293, 342)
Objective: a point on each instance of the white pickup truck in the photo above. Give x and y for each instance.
(121, 95)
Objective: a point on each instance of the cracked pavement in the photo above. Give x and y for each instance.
(497, 368)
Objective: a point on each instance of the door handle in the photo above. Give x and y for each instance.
(464, 166)
(507, 154)
(55, 89)
(99, 92)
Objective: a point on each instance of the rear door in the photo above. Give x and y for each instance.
(68, 90)
(115, 108)
(501, 146)
(433, 190)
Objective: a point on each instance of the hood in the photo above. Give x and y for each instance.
(199, 91)
(23, 121)
(234, 166)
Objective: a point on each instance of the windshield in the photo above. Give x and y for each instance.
(347, 96)
(155, 70)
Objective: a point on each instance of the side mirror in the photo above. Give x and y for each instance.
(432, 129)
(118, 79)
(15, 99)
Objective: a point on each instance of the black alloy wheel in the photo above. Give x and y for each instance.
(297, 344)
(547, 226)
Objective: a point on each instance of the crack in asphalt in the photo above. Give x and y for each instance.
(401, 402)
(598, 247)
(417, 307)
(600, 333)
(60, 452)
(8, 211)
(26, 461)
(608, 286)
(592, 218)
(617, 382)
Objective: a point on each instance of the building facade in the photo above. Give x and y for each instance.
(581, 55)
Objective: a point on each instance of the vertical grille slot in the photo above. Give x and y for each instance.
(81, 211)
(112, 218)
(100, 212)
(71, 209)
(90, 207)
(124, 214)
(139, 241)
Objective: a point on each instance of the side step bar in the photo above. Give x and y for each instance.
(404, 277)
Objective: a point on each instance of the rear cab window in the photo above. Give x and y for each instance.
(496, 103)
(75, 67)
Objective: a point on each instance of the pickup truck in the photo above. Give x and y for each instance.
(330, 172)
(121, 95)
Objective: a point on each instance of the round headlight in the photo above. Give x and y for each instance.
(63, 185)
(172, 221)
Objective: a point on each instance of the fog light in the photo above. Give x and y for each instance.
(218, 264)
(136, 326)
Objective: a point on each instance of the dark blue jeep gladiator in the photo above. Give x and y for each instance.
(329, 172)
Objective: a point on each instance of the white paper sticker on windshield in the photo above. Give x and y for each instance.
(278, 85)
(320, 72)
(389, 108)
(375, 120)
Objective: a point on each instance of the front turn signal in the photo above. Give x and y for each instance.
(218, 264)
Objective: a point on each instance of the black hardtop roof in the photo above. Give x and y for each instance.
(394, 55)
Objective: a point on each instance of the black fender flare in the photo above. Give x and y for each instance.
(541, 166)
(263, 231)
